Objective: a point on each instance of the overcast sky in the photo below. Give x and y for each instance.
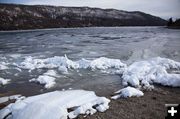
(162, 8)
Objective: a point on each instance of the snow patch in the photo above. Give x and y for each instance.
(128, 92)
(55, 105)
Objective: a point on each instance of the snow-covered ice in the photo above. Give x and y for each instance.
(55, 105)
(145, 73)
(4, 81)
(141, 74)
(128, 92)
(138, 74)
(63, 63)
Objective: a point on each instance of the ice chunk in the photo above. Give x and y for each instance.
(106, 63)
(63, 69)
(47, 81)
(55, 105)
(4, 81)
(3, 65)
(53, 62)
(168, 80)
(145, 73)
(51, 73)
(128, 92)
(83, 63)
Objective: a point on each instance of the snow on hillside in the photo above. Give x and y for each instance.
(40, 16)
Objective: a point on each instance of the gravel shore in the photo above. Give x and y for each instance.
(150, 106)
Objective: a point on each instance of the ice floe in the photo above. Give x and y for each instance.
(55, 105)
(141, 74)
(128, 92)
(4, 81)
(145, 73)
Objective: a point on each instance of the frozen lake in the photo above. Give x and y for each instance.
(129, 44)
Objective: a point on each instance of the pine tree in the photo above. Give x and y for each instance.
(170, 22)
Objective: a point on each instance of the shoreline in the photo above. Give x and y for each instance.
(151, 105)
(49, 29)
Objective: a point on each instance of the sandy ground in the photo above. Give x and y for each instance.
(150, 106)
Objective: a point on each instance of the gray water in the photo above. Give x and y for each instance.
(129, 44)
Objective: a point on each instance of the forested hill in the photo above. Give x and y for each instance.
(14, 17)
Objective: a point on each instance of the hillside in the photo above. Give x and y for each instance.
(13, 17)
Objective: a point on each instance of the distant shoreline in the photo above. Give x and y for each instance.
(49, 29)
